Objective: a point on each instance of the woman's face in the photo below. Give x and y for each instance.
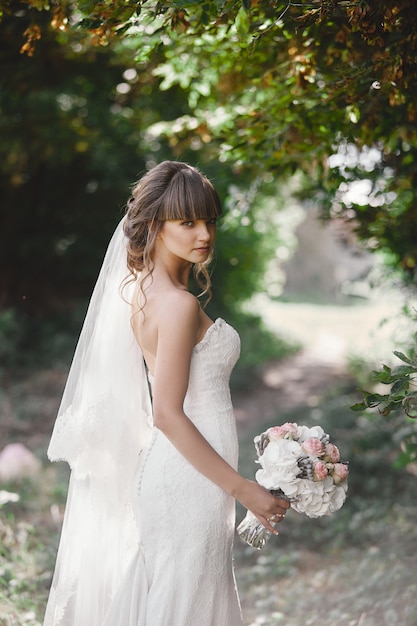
(189, 240)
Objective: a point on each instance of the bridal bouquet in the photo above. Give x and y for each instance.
(301, 465)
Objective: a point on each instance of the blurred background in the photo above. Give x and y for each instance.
(304, 117)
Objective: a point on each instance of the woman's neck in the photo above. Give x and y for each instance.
(177, 274)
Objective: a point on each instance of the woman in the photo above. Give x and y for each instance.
(184, 478)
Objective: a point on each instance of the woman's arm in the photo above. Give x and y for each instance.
(178, 324)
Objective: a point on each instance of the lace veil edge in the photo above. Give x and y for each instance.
(102, 426)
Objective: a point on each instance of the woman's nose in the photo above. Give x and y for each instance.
(203, 232)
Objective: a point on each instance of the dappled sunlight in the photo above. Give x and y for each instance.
(333, 333)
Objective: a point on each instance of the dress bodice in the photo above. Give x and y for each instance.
(212, 361)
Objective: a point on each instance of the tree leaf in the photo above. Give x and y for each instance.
(242, 24)
(372, 400)
(400, 385)
(403, 370)
(384, 376)
(405, 358)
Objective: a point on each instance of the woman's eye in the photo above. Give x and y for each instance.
(212, 221)
(187, 223)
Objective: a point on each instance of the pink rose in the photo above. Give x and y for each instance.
(320, 471)
(287, 430)
(340, 472)
(331, 453)
(276, 432)
(313, 447)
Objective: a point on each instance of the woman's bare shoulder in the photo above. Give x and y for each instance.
(170, 316)
(178, 306)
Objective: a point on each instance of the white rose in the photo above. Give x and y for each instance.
(279, 454)
(337, 497)
(317, 499)
(311, 498)
(279, 464)
(290, 489)
(306, 433)
(276, 480)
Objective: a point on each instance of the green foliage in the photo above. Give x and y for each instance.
(284, 87)
(71, 126)
(240, 88)
(248, 236)
(28, 543)
(285, 92)
(20, 594)
(401, 396)
(60, 118)
(261, 86)
(74, 131)
(38, 339)
(10, 334)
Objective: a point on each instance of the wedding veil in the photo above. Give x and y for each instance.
(103, 424)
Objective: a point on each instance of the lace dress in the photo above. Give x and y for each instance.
(182, 574)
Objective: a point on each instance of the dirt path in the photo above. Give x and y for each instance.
(298, 381)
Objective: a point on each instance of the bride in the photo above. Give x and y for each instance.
(146, 424)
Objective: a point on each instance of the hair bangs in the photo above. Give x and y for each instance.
(189, 196)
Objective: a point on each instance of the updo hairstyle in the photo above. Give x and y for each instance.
(171, 190)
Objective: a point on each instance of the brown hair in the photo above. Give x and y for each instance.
(171, 190)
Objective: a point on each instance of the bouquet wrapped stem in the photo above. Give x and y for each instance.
(252, 531)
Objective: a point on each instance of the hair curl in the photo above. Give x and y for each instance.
(171, 190)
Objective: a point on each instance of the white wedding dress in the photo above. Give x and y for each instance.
(181, 572)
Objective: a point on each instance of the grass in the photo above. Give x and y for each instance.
(29, 534)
